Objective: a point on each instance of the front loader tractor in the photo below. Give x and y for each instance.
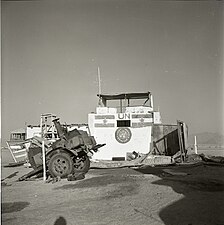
(69, 154)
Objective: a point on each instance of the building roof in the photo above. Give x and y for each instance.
(143, 95)
(19, 131)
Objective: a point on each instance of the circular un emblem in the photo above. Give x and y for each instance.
(123, 135)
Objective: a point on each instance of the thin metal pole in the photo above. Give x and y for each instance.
(44, 161)
(99, 80)
(11, 151)
(41, 125)
(195, 145)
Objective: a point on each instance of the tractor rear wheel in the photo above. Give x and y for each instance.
(60, 165)
(82, 164)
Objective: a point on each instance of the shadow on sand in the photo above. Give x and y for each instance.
(10, 207)
(203, 195)
(60, 221)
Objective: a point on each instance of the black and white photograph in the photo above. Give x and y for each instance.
(112, 112)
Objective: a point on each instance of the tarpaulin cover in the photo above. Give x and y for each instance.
(143, 95)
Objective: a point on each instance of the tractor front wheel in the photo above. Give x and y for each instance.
(82, 164)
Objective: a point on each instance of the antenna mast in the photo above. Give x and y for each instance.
(99, 84)
(99, 80)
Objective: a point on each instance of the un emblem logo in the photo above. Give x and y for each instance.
(123, 135)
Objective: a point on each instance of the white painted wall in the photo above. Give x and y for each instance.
(104, 131)
(33, 131)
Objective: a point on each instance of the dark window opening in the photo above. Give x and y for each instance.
(118, 158)
(123, 123)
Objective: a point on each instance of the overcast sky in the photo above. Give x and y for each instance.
(51, 51)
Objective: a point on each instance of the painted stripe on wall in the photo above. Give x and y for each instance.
(136, 125)
(142, 120)
(19, 156)
(142, 115)
(104, 125)
(99, 117)
(17, 151)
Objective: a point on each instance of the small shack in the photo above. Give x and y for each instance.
(18, 135)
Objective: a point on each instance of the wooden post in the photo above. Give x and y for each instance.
(179, 130)
(44, 161)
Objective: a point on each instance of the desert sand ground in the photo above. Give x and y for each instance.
(193, 196)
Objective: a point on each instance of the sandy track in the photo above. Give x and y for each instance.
(116, 196)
